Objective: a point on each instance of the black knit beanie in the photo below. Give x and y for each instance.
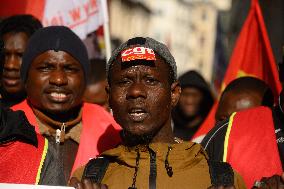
(58, 38)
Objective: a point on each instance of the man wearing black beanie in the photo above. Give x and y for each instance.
(54, 69)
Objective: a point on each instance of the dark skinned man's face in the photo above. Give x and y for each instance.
(55, 82)
(141, 96)
(190, 101)
(15, 45)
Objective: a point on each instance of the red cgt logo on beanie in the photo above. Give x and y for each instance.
(137, 53)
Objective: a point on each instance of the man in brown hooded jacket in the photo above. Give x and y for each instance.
(143, 89)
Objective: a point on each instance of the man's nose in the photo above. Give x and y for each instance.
(136, 90)
(12, 62)
(58, 78)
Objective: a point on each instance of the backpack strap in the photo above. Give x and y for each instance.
(221, 173)
(96, 169)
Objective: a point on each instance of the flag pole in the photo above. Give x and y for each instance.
(106, 29)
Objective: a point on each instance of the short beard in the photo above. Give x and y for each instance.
(131, 139)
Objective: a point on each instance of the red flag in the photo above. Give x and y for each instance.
(252, 56)
(10, 8)
(260, 149)
(83, 17)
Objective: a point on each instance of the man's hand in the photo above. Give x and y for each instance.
(274, 182)
(221, 187)
(86, 184)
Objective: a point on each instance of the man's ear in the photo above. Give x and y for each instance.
(108, 93)
(107, 89)
(25, 84)
(175, 93)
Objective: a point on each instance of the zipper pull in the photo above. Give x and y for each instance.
(60, 134)
(57, 136)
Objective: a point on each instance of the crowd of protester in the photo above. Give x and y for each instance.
(128, 122)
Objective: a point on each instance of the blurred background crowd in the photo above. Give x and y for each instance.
(201, 34)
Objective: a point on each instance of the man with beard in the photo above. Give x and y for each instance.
(54, 69)
(143, 89)
(194, 104)
(15, 31)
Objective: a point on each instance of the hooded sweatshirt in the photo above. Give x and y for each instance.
(191, 79)
(187, 160)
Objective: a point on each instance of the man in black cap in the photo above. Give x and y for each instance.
(54, 69)
(26, 156)
(143, 89)
(15, 31)
(194, 104)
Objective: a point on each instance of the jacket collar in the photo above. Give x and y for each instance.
(14, 126)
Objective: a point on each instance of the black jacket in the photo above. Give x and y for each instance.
(195, 80)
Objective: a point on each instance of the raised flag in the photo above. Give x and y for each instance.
(252, 56)
(82, 16)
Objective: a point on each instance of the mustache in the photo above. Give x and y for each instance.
(136, 103)
(57, 89)
(11, 74)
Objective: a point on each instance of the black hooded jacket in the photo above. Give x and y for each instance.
(195, 80)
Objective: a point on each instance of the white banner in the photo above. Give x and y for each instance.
(82, 16)
(27, 186)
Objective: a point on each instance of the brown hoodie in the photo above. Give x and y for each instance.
(188, 161)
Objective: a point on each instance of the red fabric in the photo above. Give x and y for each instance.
(100, 132)
(13, 7)
(252, 56)
(252, 53)
(19, 162)
(207, 124)
(137, 53)
(255, 154)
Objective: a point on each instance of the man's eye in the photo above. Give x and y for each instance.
(7, 54)
(151, 81)
(71, 69)
(44, 68)
(124, 81)
(20, 55)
